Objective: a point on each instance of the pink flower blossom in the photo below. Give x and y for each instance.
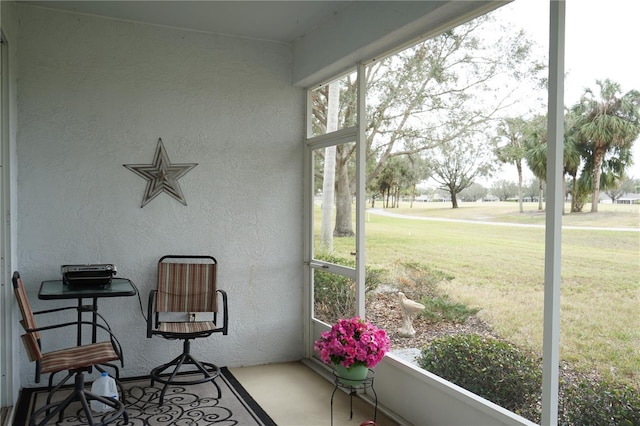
(352, 342)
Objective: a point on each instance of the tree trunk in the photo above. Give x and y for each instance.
(344, 223)
(328, 185)
(574, 186)
(598, 156)
(454, 200)
(328, 182)
(519, 167)
(413, 196)
(540, 196)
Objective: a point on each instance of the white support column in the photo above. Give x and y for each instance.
(307, 196)
(554, 204)
(361, 197)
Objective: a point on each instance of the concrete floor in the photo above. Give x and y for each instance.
(294, 395)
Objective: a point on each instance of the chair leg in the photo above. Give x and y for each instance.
(53, 389)
(58, 408)
(117, 406)
(117, 379)
(209, 371)
(81, 395)
(85, 406)
(178, 362)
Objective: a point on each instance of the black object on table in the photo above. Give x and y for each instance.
(56, 289)
(367, 383)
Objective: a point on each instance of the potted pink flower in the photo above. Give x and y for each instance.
(353, 346)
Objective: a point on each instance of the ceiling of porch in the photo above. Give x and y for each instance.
(327, 37)
(281, 21)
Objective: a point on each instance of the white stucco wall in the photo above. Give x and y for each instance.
(95, 94)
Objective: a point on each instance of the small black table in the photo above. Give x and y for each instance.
(56, 289)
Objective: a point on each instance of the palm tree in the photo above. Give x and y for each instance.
(514, 130)
(572, 158)
(607, 123)
(536, 152)
(613, 171)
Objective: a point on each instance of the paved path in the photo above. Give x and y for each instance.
(382, 212)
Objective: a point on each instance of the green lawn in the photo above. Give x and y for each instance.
(500, 269)
(609, 215)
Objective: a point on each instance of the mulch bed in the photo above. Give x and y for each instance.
(383, 310)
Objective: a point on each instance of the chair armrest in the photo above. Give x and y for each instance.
(151, 314)
(47, 311)
(114, 340)
(225, 312)
(66, 308)
(70, 324)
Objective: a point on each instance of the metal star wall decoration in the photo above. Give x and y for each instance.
(161, 176)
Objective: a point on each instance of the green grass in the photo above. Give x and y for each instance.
(500, 270)
(609, 215)
(440, 308)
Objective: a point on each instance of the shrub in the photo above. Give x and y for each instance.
(416, 280)
(589, 402)
(334, 295)
(441, 308)
(420, 282)
(490, 368)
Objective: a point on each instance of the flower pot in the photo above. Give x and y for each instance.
(352, 376)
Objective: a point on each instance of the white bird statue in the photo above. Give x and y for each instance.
(409, 309)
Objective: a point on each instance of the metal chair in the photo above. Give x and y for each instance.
(29, 324)
(76, 360)
(185, 306)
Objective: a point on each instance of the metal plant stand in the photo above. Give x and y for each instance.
(367, 383)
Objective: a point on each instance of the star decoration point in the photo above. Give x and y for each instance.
(161, 175)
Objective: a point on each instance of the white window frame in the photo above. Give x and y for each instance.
(350, 134)
(392, 369)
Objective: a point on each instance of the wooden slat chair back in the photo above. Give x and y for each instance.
(28, 321)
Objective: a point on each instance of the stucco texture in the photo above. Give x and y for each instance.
(95, 94)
